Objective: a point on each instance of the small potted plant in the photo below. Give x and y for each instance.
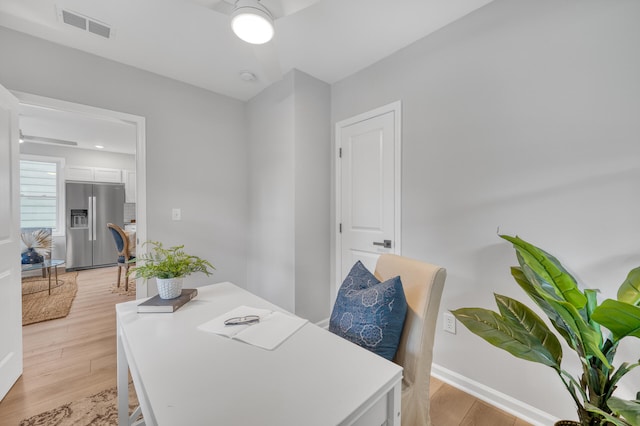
(592, 330)
(168, 266)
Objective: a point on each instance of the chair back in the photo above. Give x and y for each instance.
(122, 242)
(422, 284)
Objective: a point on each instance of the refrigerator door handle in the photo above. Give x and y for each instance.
(90, 224)
(93, 218)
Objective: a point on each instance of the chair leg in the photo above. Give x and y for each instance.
(119, 272)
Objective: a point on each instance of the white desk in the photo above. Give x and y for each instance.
(184, 376)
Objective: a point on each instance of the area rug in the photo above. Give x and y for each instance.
(121, 290)
(38, 305)
(96, 410)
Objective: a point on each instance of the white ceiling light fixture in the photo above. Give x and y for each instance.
(247, 76)
(252, 22)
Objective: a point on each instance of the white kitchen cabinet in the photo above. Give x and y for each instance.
(129, 186)
(107, 175)
(79, 173)
(93, 174)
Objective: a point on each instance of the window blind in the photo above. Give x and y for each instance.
(38, 194)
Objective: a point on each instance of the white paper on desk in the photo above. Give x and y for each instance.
(272, 331)
(273, 328)
(217, 325)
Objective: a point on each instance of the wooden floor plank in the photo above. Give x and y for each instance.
(69, 358)
(449, 406)
(434, 386)
(482, 414)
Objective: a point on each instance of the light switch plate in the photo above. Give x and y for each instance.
(176, 214)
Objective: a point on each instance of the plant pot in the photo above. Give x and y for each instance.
(566, 423)
(31, 256)
(169, 288)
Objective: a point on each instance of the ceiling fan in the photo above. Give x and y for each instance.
(261, 12)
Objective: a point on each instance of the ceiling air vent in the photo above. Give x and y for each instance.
(85, 23)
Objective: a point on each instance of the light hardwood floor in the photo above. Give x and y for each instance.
(451, 406)
(69, 358)
(74, 357)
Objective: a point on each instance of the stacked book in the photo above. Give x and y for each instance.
(157, 304)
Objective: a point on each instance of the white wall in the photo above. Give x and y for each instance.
(289, 165)
(195, 143)
(271, 194)
(312, 165)
(523, 116)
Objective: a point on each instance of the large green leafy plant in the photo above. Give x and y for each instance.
(170, 262)
(590, 329)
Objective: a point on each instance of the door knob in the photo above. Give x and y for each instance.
(385, 243)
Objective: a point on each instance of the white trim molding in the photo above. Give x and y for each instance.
(324, 323)
(491, 396)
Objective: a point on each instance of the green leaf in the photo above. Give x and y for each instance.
(494, 329)
(630, 410)
(592, 304)
(168, 263)
(622, 319)
(589, 338)
(620, 372)
(629, 291)
(547, 270)
(523, 282)
(608, 417)
(541, 270)
(556, 319)
(520, 316)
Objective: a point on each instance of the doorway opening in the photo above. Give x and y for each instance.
(84, 138)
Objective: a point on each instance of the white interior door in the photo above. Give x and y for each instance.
(368, 188)
(10, 279)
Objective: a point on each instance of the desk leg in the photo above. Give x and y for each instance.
(394, 404)
(123, 381)
(49, 273)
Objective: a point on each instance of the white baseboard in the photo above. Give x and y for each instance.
(497, 399)
(323, 323)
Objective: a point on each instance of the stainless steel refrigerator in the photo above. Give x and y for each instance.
(90, 206)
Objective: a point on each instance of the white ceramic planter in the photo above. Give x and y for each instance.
(169, 288)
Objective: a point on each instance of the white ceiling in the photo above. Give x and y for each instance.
(190, 41)
(72, 129)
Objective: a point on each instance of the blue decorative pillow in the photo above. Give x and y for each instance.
(370, 313)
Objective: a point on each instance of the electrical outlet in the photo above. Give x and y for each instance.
(176, 214)
(449, 323)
